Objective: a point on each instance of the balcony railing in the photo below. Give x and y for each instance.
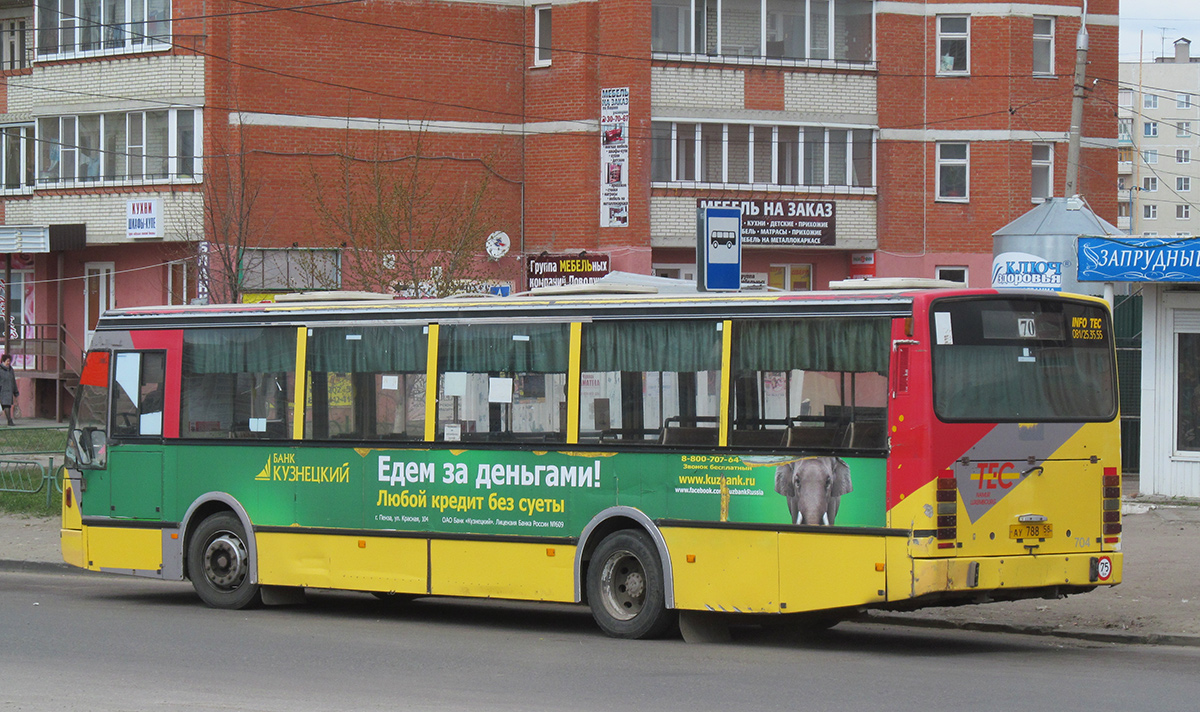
(45, 349)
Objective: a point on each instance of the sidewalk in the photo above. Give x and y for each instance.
(1158, 602)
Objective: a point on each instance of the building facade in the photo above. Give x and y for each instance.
(173, 150)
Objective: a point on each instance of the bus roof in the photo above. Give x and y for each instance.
(884, 302)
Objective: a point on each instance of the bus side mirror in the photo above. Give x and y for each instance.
(86, 448)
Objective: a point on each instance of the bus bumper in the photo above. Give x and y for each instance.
(1005, 576)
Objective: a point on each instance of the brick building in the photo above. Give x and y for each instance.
(145, 142)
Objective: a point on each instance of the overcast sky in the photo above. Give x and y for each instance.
(1154, 25)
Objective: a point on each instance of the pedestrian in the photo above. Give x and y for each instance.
(8, 386)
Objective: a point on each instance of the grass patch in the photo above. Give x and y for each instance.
(33, 505)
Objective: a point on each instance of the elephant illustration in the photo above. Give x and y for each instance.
(814, 487)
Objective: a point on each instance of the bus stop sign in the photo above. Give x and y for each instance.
(719, 249)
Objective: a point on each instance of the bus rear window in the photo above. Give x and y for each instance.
(1023, 360)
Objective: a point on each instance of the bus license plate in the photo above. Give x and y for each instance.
(1041, 530)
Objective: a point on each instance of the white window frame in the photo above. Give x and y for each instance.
(105, 275)
(1150, 156)
(1046, 166)
(1149, 184)
(1149, 101)
(70, 149)
(952, 36)
(1149, 211)
(542, 53)
(1183, 101)
(1183, 129)
(1043, 39)
(1183, 211)
(1150, 129)
(1183, 155)
(1125, 130)
(1125, 97)
(1183, 184)
(128, 36)
(28, 149)
(941, 270)
(941, 163)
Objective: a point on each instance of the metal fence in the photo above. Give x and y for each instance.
(29, 460)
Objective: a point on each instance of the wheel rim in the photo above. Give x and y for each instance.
(623, 585)
(225, 561)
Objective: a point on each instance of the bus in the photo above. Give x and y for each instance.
(787, 455)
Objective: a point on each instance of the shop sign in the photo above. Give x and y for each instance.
(559, 270)
(1021, 270)
(614, 157)
(1139, 259)
(144, 218)
(783, 223)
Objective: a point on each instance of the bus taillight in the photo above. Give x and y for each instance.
(947, 510)
(1112, 506)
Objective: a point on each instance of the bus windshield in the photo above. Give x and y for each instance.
(1023, 360)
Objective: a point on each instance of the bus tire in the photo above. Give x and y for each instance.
(219, 563)
(625, 587)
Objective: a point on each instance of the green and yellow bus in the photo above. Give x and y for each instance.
(645, 454)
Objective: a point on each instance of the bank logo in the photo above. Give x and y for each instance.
(282, 467)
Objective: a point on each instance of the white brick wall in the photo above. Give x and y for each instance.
(825, 92)
(91, 86)
(104, 214)
(697, 87)
(673, 223)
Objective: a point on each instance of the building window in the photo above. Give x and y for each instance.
(1122, 209)
(1183, 101)
(17, 157)
(289, 269)
(952, 171)
(541, 33)
(1183, 155)
(1187, 388)
(1125, 130)
(1150, 156)
(744, 154)
(1043, 45)
(1120, 182)
(779, 29)
(1183, 212)
(1150, 129)
(1149, 101)
(1125, 97)
(953, 44)
(119, 147)
(1042, 171)
(1124, 154)
(1150, 211)
(1150, 184)
(1183, 184)
(97, 27)
(1183, 129)
(952, 274)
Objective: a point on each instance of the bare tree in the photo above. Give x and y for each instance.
(413, 225)
(227, 224)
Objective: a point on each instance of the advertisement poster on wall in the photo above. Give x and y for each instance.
(614, 157)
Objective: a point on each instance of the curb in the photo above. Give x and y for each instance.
(46, 567)
(1097, 635)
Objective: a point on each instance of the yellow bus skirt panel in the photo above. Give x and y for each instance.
(358, 563)
(731, 570)
(74, 551)
(137, 551)
(500, 569)
(818, 570)
(1010, 572)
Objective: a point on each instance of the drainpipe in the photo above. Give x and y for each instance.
(1081, 50)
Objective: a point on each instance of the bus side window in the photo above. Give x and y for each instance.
(810, 382)
(650, 382)
(366, 383)
(503, 382)
(238, 383)
(87, 441)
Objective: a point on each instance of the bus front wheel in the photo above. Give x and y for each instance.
(219, 563)
(625, 587)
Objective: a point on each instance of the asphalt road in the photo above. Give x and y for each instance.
(78, 641)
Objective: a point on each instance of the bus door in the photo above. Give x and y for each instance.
(135, 432)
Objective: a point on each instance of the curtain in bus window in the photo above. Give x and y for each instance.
(366, 382)
(238, 382)
(811, 382)
(650, 381)
(503, 382)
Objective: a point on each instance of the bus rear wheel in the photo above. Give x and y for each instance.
(219, 563)
(625, 587)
